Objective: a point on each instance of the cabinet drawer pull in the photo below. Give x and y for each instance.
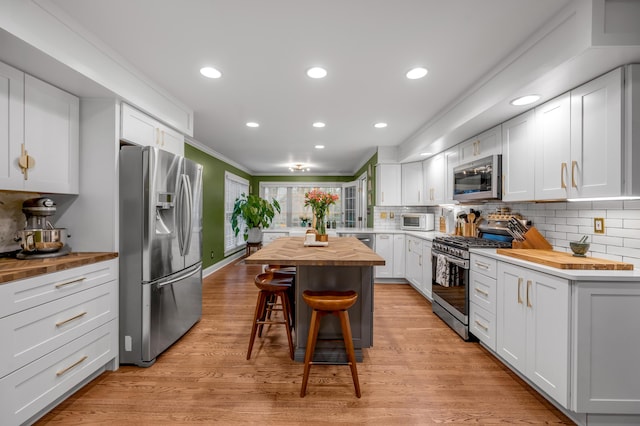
(418, 196)
(482, 326)
(482, 265)
(66, 283)
(529, 304)
(504, 189)
(484, 293)
(519, 297)
(75, 317)
(75, 364)
(573, 174)
(384, 237)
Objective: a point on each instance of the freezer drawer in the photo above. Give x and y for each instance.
(169, 311)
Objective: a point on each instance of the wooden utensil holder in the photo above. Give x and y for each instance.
(533, 239)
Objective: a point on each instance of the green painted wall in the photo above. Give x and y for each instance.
(370, 168)
(213, 196)
(212, 202)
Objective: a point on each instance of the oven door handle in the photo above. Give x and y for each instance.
(464, 264)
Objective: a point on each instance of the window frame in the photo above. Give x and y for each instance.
(238, 185)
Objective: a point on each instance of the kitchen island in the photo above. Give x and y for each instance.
(345, 264)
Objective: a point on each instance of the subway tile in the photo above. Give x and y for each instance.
(609, 204)
(557, 220)
(623, 214)
(633, 260)
(607, 256)
(580, 221)
(632, 242)
(556, 235)
(632, 204)
(629, 223)
(609, 241)
(613, 223)
(566, 213)
(579, 205)
(593, 213)
(566, 228)
(623, 251)
(624, 233)
(544, 226)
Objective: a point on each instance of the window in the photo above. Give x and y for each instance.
(234, 186)
(291, 198)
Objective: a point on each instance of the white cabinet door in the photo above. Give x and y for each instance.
(51, 135)
(139, 128)
(483, 145)
(427, 272)
(412, 184)
(434, 168)
(552, 157)
(451, 161)
(398, 255)
(12, 123)
(518, 142)
(596, 137)
(384, 247)
(388, 187)
(533, 327)
(413, 261)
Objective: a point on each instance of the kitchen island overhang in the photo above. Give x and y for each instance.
(345, 264)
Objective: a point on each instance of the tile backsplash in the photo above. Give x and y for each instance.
(559, 222)
(12, 219)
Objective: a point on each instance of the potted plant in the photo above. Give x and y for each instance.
(256, 212)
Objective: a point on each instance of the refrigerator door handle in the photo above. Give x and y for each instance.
(180, 278)
(179, 214)
(189, 214)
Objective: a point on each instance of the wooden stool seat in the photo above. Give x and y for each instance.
(323, 303)
(272, 285)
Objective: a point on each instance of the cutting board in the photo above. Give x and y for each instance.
(562, 260)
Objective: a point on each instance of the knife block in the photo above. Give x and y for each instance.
(533, 239)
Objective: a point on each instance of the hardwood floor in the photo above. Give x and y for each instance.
(418, 372)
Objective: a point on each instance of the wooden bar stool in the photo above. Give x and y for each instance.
(272, 286)
(336, 303)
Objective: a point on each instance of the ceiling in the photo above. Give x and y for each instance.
(263, 49)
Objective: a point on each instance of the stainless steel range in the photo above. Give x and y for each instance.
(450, 267)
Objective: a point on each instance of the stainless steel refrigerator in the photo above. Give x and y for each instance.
(160, 251)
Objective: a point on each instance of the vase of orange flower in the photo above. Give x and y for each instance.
(319, 201)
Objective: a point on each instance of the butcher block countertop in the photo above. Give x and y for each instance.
(341, 251)
(564, 260)
(15, 269)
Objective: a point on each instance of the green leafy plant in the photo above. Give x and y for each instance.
(256, 212)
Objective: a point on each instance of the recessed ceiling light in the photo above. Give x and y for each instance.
(319, 124)
(416, 73)
(252, 124)
(380, 125)
(317, 72)
(319, 146)
(424, 154)
(210, 72)
(525, 100)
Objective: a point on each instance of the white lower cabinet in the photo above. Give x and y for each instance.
(427, 273)
(533, 322)
(413, 261)
(391, 248)
(59, 329)
(482, 299)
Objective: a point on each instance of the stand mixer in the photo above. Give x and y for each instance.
(40, 239)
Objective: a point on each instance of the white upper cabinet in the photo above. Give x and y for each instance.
(413, 184)
(12, 123)
(483, 145)
(596, 137)
(434, 169)
(579, 143)
(552, 148)
(141, 129)
(518, 142)
(451, 159)
(388, 178)
(41, 145)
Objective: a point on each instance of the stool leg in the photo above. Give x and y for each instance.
(260, 306)
(348, 343)
(287, 317)
(311, 345)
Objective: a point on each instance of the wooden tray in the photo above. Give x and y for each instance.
(562, 260)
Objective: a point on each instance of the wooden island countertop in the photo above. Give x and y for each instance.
(341, 251)
(15, 269)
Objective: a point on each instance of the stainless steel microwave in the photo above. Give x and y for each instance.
(417, 221)
(478, 180)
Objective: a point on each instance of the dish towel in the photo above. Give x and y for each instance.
(442, 270)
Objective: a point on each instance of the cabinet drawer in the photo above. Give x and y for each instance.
(482, 324)
(484, 265)
(30, 334)
(482, 291)
(19, 295)
(32, 388)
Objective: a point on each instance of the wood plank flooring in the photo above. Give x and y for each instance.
(418, 372)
